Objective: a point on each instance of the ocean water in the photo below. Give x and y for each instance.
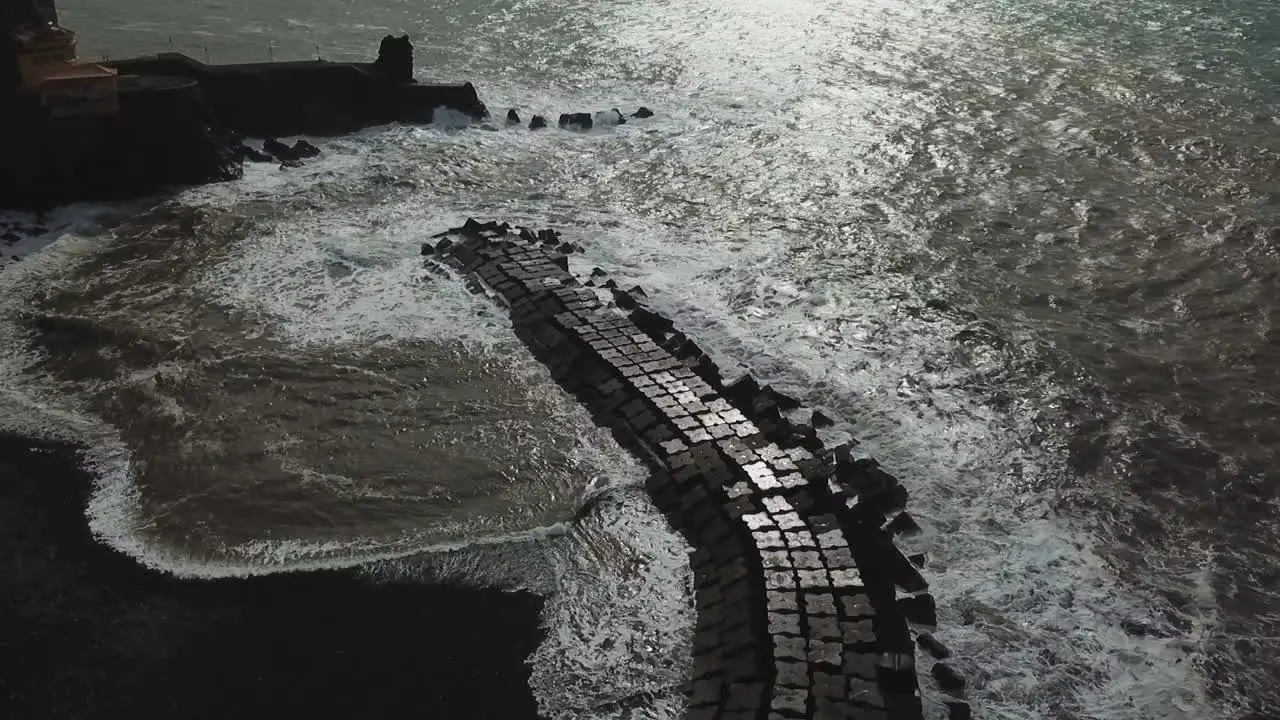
(1025, 251)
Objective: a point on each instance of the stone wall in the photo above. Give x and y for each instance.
(806, 608)
(306, 98)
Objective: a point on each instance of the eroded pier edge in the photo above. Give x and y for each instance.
(806, 607)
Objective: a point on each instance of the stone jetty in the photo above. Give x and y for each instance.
(806, 607)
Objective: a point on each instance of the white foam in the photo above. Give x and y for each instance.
(31, 405)
(1048, 607)
(336, 279)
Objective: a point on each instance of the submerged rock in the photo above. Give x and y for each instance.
(304, 149)
(278, 149)
(537, 122)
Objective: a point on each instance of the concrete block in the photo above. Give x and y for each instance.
(768, 539)
(827, 709)
(775, 580)
(858, 633)
(862, 665)
(800, 540)
(779, 600)
(948, 679)
(706, 692)
(839, 559)
(904, 706)
(856, 606)
(790, 701)
(784, 624)
(776, 560)
(920, 609)
(820, 604)
(794, 648)
(846, 579)
(822, 627)
(777, 505)
(822, 652)
(807, 560)
(792, 480)
(792, 674)
(865, 692)
(813, 579)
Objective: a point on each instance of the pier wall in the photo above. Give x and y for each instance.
(306, 98)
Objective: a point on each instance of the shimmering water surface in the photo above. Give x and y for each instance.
(1027, 251)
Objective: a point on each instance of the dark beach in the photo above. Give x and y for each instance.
(87, 633)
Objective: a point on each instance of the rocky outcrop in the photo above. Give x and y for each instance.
(806, 608)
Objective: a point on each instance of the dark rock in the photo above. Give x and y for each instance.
(624, 299)
(537, 122)
(513, 117)
(948, 679)
(304, 149)
(395, 59)
(918, 559)
(742, 388)
(933, 646)
(959, 710)
(255, 155)
(643, 112)
(580, 121)
(821, 420)
(278, 149)
(290, 163)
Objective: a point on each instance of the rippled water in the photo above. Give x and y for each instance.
(1026, 250)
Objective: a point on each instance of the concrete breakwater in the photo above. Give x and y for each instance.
(806, 607)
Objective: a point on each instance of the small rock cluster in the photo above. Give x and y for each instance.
(579, 120)
(289, 156)
(806, 607)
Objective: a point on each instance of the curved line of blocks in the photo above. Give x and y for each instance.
(805, 605)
